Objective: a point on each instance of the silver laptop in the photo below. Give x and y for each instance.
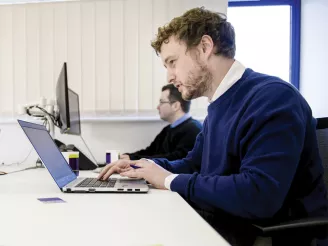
(61, 172)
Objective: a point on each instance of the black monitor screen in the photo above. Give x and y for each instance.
(62, 100)
(74, 113)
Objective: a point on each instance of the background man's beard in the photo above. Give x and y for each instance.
(197, 86)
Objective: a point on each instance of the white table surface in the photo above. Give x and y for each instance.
(156, 218)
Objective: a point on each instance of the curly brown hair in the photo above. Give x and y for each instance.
(193, 25)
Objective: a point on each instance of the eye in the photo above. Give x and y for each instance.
(172, 62)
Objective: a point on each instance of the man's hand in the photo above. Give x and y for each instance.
(114, 167)
(149, 171)
(125, 157)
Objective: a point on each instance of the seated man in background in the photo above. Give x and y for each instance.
(178, 138)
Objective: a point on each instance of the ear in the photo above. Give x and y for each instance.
(176, 106)
(206, 46)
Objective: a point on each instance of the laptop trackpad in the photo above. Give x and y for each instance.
(131, 182)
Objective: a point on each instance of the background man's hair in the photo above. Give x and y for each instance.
(175, 95)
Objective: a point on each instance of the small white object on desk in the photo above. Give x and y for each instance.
(112, 155)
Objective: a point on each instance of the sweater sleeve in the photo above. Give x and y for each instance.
(189, 164)
(185, 141)
(272, 132)
(150, 150)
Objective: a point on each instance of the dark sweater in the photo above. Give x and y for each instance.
(257, 156)
(171, 143)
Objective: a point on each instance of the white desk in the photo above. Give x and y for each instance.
(157, 218)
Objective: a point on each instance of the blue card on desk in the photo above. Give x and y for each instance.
(51, 200)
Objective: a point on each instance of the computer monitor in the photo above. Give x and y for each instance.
(69, 116)
(62, 100)
(74, 113)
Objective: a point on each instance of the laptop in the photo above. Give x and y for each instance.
(62, 173)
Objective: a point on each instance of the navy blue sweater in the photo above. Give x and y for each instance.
(256, 156)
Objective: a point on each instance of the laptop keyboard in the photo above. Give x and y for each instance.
(93, 182)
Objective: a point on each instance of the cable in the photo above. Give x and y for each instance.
(51, 115)
(88, 150)
(53, 118)
(18, 163)
(46, 112)
(44, 123)
(25, 169)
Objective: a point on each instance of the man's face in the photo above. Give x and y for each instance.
(186, 70)
(165, 109)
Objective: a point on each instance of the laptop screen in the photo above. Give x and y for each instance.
(48, 153)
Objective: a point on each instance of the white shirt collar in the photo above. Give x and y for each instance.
(234, 74)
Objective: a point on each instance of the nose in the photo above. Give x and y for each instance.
(170, 77)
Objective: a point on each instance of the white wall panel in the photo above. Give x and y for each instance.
(106, 45)
(88, 95)
(145, 55)
(102, 39)
(19, 54)
(117, 55)
(131, 47)
(32, 53)
(160, 7)
(314, 52)
(6, 61)
(46, 41)
(60, 40)
(74, 48)
(174, 8)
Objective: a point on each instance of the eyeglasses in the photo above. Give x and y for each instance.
(163, 102)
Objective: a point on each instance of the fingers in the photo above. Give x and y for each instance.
(132, 174)
(112, 170)
(104, 170)
(122, 170)
(124, 157)
(122, 166)
(141, 163)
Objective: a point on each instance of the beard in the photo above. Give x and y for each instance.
(198, 83)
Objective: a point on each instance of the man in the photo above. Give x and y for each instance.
(256, 158)
(177, 139)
